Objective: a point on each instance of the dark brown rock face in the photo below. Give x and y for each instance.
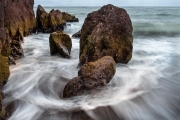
(19, 15)
(77, 35)
(106, 32)
(19, 21)
(90, 76)
(69, 18)
(4, 53)
(60, 43)
(49, 22)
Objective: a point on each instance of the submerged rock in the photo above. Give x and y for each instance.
(90, 76)
(77, 35)
(60, 43)
(69, 18)
(106, 32)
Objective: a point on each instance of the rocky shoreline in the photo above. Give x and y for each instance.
(105, 38)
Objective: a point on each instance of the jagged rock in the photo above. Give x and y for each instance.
(90, 76)
(19, 21)
(4, 53)
(49, 22)
(77, 35)
(60, 43)
(19, 14)
(69, 18)
(106, 32)
(16, 50)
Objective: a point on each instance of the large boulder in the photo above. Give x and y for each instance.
(49, 22)
(107, 32)
(19, 21)
(69, 18)
(60, 43)
(90, 76)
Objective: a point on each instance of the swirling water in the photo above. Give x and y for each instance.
(147, 88)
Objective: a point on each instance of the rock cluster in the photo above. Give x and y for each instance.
(106, 32)
(60, 43)
(90, 76)
(50, 22)
(105, 38)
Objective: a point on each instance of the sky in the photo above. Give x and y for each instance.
(104, 2)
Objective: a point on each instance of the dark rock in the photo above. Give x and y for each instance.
(90, 76)
(60, 43)
(19, 21)
(4, 67)
(77, 35)
(106, 32)
(19, 14)
(49, 22)
(69, 18)
(16, 50)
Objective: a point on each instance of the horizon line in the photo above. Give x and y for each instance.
(103, 5)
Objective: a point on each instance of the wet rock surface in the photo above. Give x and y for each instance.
(19, 21)
(90, 76)
(106, 32)
(60, 43)
(55, 19)
(77, 35)
(4, 53)
(49, 22)
(19, 15)
(69, 18)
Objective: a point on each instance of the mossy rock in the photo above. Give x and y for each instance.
(60, 43)
(4, 69)
(69, 18)
(91, 76)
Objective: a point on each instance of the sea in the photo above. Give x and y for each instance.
(147, 88)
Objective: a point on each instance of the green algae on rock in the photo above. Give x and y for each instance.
(60, 43)
(4, 69)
